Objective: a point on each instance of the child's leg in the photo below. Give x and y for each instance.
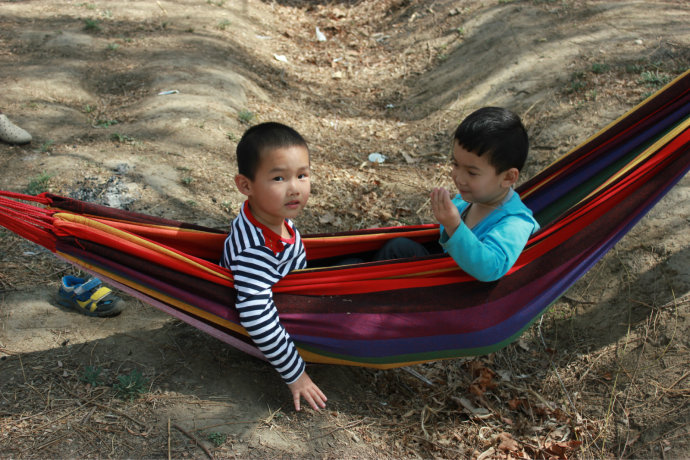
(397, 248)
(400, 248)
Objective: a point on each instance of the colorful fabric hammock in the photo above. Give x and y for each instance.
(392, 313)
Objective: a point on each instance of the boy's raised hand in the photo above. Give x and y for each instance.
(304, 387)
(444, 210)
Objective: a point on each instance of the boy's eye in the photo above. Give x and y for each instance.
(303, 176)
(278, 178)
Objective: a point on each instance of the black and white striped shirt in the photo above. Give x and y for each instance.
(259, 258)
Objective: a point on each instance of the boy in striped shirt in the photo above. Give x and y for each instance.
(263, 245)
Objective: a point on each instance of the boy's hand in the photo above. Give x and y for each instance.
(304, 387)
(444, 210)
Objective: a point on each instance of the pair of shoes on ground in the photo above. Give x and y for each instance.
(88, 297)
(11, 133)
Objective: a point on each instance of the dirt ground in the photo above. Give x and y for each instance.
(603, 374)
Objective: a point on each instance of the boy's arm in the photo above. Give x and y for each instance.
(258, 314)
(491, 257)
(254, 277)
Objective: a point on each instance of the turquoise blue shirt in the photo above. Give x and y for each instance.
(491, 247)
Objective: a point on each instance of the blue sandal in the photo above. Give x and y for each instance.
(88, 297)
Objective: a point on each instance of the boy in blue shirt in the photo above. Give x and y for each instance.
(264, 245)
(485, 227)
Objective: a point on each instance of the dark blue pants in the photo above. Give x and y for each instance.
(397, 248)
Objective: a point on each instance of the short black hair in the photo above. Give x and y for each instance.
(257, 139)
(497, 132)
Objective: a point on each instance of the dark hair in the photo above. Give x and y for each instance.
(257, 139)
(497, 132)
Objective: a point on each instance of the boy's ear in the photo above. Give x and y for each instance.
(244, 185)
(510, 177)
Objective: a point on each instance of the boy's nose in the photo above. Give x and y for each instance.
(293, 187)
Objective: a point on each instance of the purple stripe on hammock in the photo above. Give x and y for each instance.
(439, 342)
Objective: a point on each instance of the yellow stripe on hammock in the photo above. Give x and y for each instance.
(137, 241)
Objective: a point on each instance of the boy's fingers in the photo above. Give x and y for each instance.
(434, 198)
(311, 402)
(316, 398)
(320, 399)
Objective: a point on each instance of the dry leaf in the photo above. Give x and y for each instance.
(516, 403)
(561, 449)
(507, 442)
(326, 218)
(408, 158)
(486, 454)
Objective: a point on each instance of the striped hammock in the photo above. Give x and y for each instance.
(399, 312)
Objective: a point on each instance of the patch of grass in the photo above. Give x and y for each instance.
(113, 46)
(232, 136)
(577, 82)
(245, 116)
(634, 68)
(187, 180)
(122, 138)
(92, 25)
(92, 376)
(576, 86)
(130, 386)
(106, 123)
(222, 25)
(598, 68)
(45, 147)
(218, 439)
(654, 79)
(39, 184)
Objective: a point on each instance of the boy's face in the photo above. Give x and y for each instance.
(281, 185)
(476, 178)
